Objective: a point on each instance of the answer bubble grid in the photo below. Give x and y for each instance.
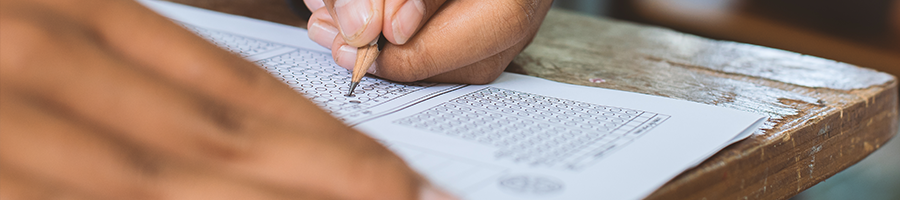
(320, 80)
(315, 75)
(534, 129)
(236, 44)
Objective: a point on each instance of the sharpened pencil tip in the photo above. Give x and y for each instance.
(352, 87)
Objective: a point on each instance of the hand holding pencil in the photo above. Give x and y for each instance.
(461, 41)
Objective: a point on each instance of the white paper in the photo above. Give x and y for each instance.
(519, 137)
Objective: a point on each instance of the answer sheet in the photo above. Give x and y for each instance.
(519, 137)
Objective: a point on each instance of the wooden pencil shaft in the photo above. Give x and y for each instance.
(365, 56)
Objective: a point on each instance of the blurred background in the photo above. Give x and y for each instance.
(861, 32)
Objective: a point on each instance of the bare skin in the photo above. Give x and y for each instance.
(460, 41)
(104, 99)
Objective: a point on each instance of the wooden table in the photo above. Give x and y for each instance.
(824, 115)
(739, 20)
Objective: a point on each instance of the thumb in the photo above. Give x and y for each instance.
(359, 21)
(404, 17)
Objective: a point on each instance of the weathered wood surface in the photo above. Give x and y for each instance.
(741, 20)
(824, 115)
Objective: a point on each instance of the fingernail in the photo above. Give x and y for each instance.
(407, 20)
(322, 33)
(353, 17)
(346, 56)
(431, 193)
(372, 69)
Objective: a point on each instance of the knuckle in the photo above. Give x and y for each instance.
(520, 19)
(223, 116)
(233, 124)
(512, 18)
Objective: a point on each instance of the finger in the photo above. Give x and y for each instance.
(403, 17)
(322, 32)
(325, 155)
(329, 157)
(164, 48)
(451, 40)
(344, 162)
(194, 182)
(349, 165)
(76, 160)
(314, 5)
(16, 184)
(37, 143)
(321, 28)
(90, 83)
(344, 55)
(359, 21)
(481, 72)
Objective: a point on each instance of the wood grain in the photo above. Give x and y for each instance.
(824, 115)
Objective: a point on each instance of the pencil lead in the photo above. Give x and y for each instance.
(353, 85)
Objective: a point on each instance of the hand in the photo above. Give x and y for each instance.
(461, 41)
(104, 99)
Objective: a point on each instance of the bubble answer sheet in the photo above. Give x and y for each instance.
(519, 137)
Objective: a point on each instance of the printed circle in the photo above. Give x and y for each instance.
(529, 184)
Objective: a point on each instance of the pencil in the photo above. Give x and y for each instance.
(365, 56)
